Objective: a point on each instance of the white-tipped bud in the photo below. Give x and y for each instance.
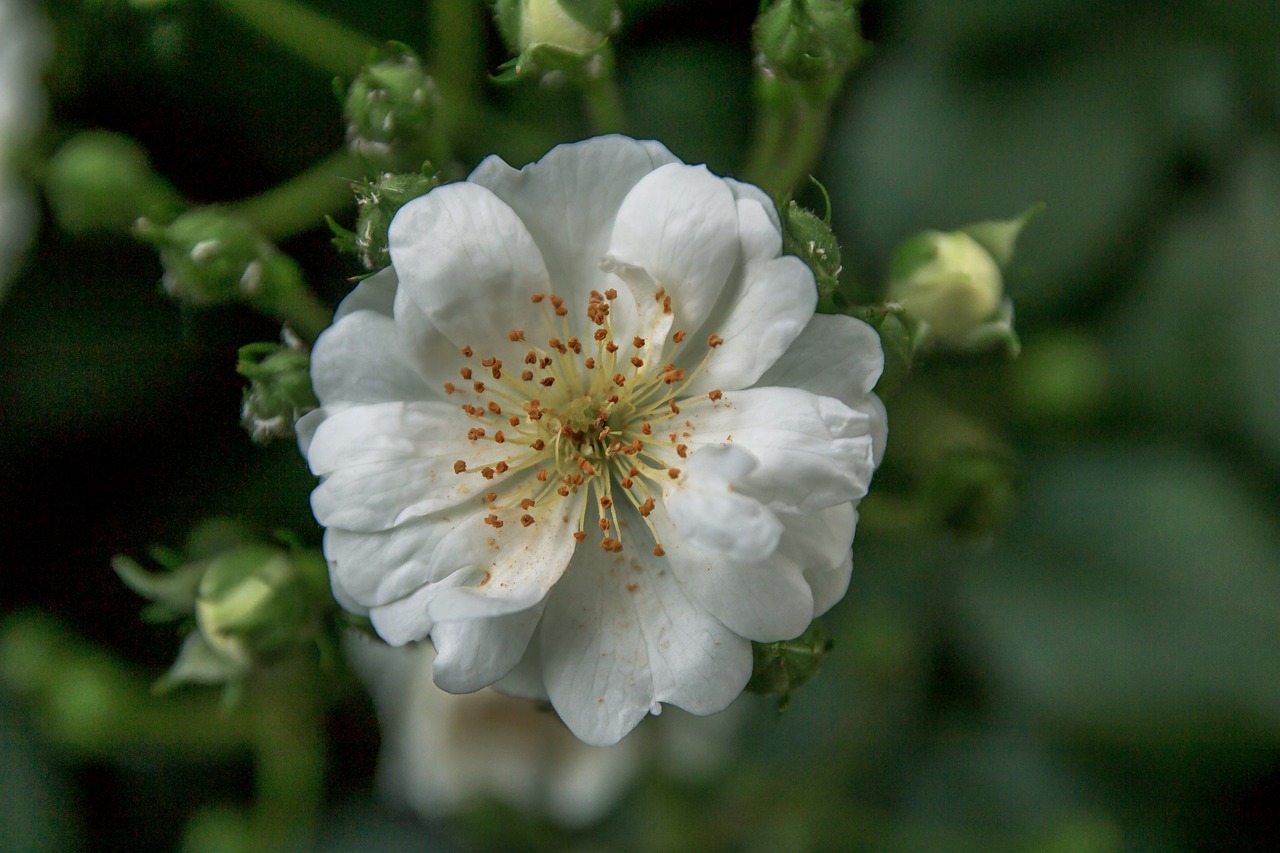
(947, 280)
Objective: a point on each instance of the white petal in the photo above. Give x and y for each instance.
(386, 463)
(468, 262)
(376, 293)
(834, 356)
(476, 571)
(616, 641)
(713, 517)
(305, 428)
(760, 316)
(357, 360)
(742, 190)
(378, 568)
(820, 543)
(814, 452)
(761, 599)
(569, 200)
(679, 226)
(478, 652)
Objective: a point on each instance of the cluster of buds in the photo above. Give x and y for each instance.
(250, 604)
(554, 35)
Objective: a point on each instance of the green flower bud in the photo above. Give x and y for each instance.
(377, 203)
(279, 389)
(390, 105)
(779, 668)
(810, 41)
(210, 257)
(809, 237)
(948, 281)
(257, 601)
(554, 35)
(100, 182)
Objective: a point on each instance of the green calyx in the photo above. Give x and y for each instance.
(377, 203)
(778, 669)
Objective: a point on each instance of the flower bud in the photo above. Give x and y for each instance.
(948, 281)
(390, 105)
(809, 237)
(102, 182)
(811, 41)
(554, 35)
(279, 389)
(377, 203)
(210, 257)
(257, 601)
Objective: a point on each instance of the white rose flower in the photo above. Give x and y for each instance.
(588, 435)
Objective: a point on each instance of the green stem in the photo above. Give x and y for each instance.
(290, 753)
(791, 127)
(298, 308)
(600, 91)
(456, 56)
(316, 38)
(302, 202)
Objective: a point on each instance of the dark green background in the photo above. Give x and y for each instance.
(1098, 671)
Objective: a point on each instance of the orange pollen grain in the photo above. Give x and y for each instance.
(541, 476)
(526, 503)
(611, 294)
(714, 341)
(500, 438)
(537, 297)
(494, 407)
(606, 502)
(681, 449)
(526, 520)
(538, 444)
(605, 524)
(636, 362)
(491, 497)
(465, 372)
(647, 429)
(515, 335)
(459, 466)
(526, 375)
(646, 507)
(589, 363)
(715, 395)
(626, 482)
(600, 334)
(503, 467)
(487, 472)
(678, 336)
(675, 410)
(673, 473)
(619, 379)
(514, 421)
(548, 381)
(658, 551)
(449, 388)
(580, 536)
(468, 352)
(479, 386)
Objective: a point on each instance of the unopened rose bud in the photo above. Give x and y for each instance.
(554, 35)
(211, 257)
(389, 107)
(815, 42)
(279, 389)
(949, 281)
(100, 182)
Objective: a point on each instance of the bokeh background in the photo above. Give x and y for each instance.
(1063, 630)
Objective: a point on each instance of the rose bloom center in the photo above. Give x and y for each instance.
(581, 415)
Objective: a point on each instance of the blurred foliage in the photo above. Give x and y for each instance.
(1093, 664)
